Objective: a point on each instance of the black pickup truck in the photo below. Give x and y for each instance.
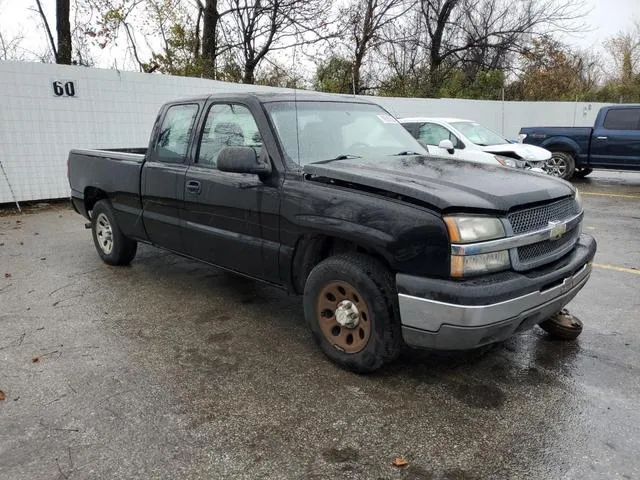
(612, 143)
(330, 197)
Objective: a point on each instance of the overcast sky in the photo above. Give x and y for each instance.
(606, 18)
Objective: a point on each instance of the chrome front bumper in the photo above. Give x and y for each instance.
(429, 323)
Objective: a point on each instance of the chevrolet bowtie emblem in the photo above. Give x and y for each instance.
(558, 229)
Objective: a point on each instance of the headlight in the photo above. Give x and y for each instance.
(468, 229)
(471, 229)
(509, 162)
(479, 264)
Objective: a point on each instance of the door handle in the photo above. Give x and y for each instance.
(602, 138)
(193, 187)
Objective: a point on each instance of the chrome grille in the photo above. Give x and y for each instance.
(537, 218)
(536, 254)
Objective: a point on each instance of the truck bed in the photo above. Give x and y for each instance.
(115, 171)
(580, 135)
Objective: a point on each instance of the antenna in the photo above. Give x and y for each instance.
(295, 106)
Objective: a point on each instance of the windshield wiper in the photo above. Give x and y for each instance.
(344, 156)
(405, 153)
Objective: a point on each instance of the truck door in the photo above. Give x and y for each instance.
(615, 142)
(162, 182)
(231, 219)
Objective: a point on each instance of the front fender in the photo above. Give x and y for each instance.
(561, 144)
(409, 238)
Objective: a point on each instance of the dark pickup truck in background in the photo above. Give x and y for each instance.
(333, 199)
(612, 143)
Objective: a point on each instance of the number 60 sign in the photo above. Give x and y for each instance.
(64, 89)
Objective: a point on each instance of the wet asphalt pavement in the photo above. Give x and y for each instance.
(172, 369)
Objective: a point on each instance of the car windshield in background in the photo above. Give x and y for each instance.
(320, 131)
(479, 134)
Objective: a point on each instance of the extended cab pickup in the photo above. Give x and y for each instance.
(612, 143)
(331, 198)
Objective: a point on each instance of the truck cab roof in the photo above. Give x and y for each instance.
(263, 97)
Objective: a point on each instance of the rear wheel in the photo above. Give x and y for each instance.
(350, 305)
(561, 164)
(582, 172)
(112, 246)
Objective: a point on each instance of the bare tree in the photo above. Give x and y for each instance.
(364, 22)
(62, 50)
(10, 48)
(624, 49)
(402, 57)
(210, 23)
(260, 27)
(63, 28)
(116, 17)
(483, 32)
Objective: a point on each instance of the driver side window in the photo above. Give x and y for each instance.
(227, 125)
(433, 134)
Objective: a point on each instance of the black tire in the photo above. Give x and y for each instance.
(582, 172)
(562, 326)
(375, 286)
(113, 247)
(561, 164)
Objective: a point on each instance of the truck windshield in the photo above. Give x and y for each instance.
(478, 134)
(318, 131)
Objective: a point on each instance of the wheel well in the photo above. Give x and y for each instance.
(312, 249)
(559, 147)
(91, 196)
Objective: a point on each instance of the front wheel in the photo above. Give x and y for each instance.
(350, 305)
(112, 246)
(561, 164)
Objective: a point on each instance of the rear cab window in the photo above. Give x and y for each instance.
(622, 119)
(173, 137)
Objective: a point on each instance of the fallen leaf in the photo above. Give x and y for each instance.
(2, 396)
(7, 275)
(399, 462)
(35, 359)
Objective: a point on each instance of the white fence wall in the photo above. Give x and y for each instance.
(504, 117)
(113, 109)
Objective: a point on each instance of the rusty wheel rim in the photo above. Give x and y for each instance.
(343, 317)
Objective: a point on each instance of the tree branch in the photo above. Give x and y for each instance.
(46, 26)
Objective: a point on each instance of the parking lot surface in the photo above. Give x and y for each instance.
(172, 369)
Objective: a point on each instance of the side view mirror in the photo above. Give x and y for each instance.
(447, 145)
(241, 160)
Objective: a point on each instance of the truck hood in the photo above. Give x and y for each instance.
(523, 152)
(445, 184)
